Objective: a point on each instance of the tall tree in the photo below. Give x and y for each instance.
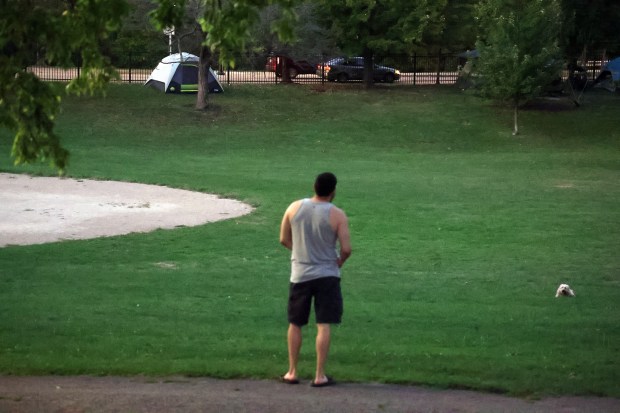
(225, 26)
(518, 47)
(371, 27)
(56, 33)
(452, 28)
(590, 25)
(311, 39)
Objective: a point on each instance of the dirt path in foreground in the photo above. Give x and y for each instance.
(82, 394)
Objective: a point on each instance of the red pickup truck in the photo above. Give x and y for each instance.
(295, 67)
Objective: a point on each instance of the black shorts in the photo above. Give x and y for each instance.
(327, 301)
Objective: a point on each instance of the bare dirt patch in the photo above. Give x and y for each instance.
(36, 210)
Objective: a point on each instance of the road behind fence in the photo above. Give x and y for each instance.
(251, 68)
(442, 69)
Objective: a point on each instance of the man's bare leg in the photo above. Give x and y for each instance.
(323, 337)
(294, 346)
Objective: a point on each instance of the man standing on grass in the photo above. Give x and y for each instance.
(311, 228)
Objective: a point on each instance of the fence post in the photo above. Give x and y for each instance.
(415, 66)
(438, 67)
(130, 65)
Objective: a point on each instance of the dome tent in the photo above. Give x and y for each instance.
(178, 73)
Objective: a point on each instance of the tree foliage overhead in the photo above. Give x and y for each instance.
(311, 38)
(382, 26)
(519, 52)
(53, 33)
(591, 25)
(137, 36)
(453, 28)
(226, 24)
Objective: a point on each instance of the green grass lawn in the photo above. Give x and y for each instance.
(461, 234)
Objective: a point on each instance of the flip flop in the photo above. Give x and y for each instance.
(289, 381)
(329, 382)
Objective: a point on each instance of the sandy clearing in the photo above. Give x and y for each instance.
(36, 210)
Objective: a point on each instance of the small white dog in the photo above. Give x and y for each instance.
(564, 289)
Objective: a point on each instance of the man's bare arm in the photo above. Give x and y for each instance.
(286, 237)
(341, 224)
(286, 234)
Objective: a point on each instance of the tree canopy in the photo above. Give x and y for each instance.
(453, 27)
(590, 25)
(56, 33)
(388, 26)
(226, 25)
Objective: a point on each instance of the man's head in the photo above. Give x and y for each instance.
(325, 184)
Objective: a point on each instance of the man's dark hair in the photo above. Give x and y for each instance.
(325, 184)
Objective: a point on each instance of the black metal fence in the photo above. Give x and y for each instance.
(253, 68)
(438, 69)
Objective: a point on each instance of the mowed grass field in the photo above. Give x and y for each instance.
(461, 235)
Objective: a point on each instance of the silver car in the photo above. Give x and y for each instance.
(343, 69)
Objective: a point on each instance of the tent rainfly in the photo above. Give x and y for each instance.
(613, 67)
(610, 75)
(178, 73)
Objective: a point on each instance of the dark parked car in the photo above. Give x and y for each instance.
(344, 69)
(295, 67)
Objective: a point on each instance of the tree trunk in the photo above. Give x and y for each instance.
(203, 73)
(286, 75)
(368, 68)
(515, 131)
